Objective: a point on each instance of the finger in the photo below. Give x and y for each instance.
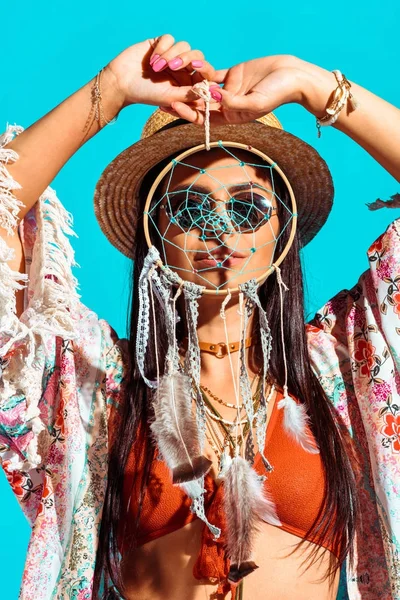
(171, 53)
(182, 93)
(161, 45)
(220, 75)
(195, 115)
(169, 110)
(217, 115)
(184, 59)
(204, 71)
(189, 113)
(253, 102)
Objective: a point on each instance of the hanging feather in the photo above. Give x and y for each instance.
(295, 423)
(246, 503)
(175, 430)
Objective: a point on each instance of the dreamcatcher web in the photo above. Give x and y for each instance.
(219, 224)
(229, 224)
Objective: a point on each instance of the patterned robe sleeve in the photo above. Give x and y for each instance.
(61, 370)
(354, 345)
(27, 344)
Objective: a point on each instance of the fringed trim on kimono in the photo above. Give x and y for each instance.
(50, 309)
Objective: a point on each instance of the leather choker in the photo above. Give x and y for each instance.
(221, 349)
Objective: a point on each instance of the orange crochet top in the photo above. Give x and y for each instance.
(296, 485)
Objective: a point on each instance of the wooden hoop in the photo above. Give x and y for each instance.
(241, 146)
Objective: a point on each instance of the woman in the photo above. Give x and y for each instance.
(65, 373)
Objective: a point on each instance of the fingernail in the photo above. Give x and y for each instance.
(215, 93)
(175, 63)
(197, 64)
(154, 58)
(159, 64)
(163, 108)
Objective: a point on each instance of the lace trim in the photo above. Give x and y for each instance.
(250, 290)
(51, 308)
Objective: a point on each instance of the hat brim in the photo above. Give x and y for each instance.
(117, 191)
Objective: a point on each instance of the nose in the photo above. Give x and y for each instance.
(217, 223)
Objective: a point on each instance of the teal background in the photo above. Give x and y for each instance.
(50, 49)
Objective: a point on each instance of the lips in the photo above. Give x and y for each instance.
(218, 255)
(218, 258)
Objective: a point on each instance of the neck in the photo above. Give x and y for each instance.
(212, 328)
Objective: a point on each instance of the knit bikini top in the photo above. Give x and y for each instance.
(296, 485)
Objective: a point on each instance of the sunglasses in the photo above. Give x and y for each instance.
(244, 212)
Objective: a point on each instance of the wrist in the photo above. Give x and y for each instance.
(317, 86)
(113, 89)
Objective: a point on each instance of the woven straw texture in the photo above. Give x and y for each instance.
(117, 191)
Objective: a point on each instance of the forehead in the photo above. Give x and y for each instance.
(210, 169)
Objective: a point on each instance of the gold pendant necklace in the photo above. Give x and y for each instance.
(229, 439)
(219, 400)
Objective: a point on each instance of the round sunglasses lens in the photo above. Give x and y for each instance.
(249, 210)
(187, 210)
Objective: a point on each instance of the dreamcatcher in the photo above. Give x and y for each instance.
(212, 219)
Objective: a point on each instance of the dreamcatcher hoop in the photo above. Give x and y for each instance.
(272, 163)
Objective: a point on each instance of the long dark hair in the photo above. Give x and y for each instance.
(336, 521)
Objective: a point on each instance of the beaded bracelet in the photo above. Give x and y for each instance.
(341, 96)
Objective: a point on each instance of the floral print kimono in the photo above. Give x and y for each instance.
(62, 368)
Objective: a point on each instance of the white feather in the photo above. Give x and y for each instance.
(295, 423)
(246, 502)
(175, 428)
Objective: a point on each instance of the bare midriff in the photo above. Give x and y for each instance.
(162, 569)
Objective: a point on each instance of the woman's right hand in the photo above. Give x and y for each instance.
(142, 80)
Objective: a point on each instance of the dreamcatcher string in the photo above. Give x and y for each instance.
(202, 89)
(218, 227)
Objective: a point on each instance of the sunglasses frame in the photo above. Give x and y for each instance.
(174, 217)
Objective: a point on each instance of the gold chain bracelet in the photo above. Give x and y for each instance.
(97, 110)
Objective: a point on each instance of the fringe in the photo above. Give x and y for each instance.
(393, 202)
(51, 308)
(9, 204)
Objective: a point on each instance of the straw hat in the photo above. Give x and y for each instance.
(117, 191)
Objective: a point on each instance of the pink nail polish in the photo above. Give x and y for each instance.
(175, 63)
(154, 58)
(197, 64)
(215, 93)
(159, 64)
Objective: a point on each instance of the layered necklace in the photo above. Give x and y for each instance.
(220, 432)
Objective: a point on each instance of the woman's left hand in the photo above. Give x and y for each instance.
(256, 87)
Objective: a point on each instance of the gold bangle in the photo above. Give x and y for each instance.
(341, 96)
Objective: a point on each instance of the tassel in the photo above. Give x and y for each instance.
(295, 423)
(245, 502)
(175, 429)
(353, 102)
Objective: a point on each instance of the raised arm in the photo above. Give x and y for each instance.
(47, 145)
(256, 87)
(57, 334)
